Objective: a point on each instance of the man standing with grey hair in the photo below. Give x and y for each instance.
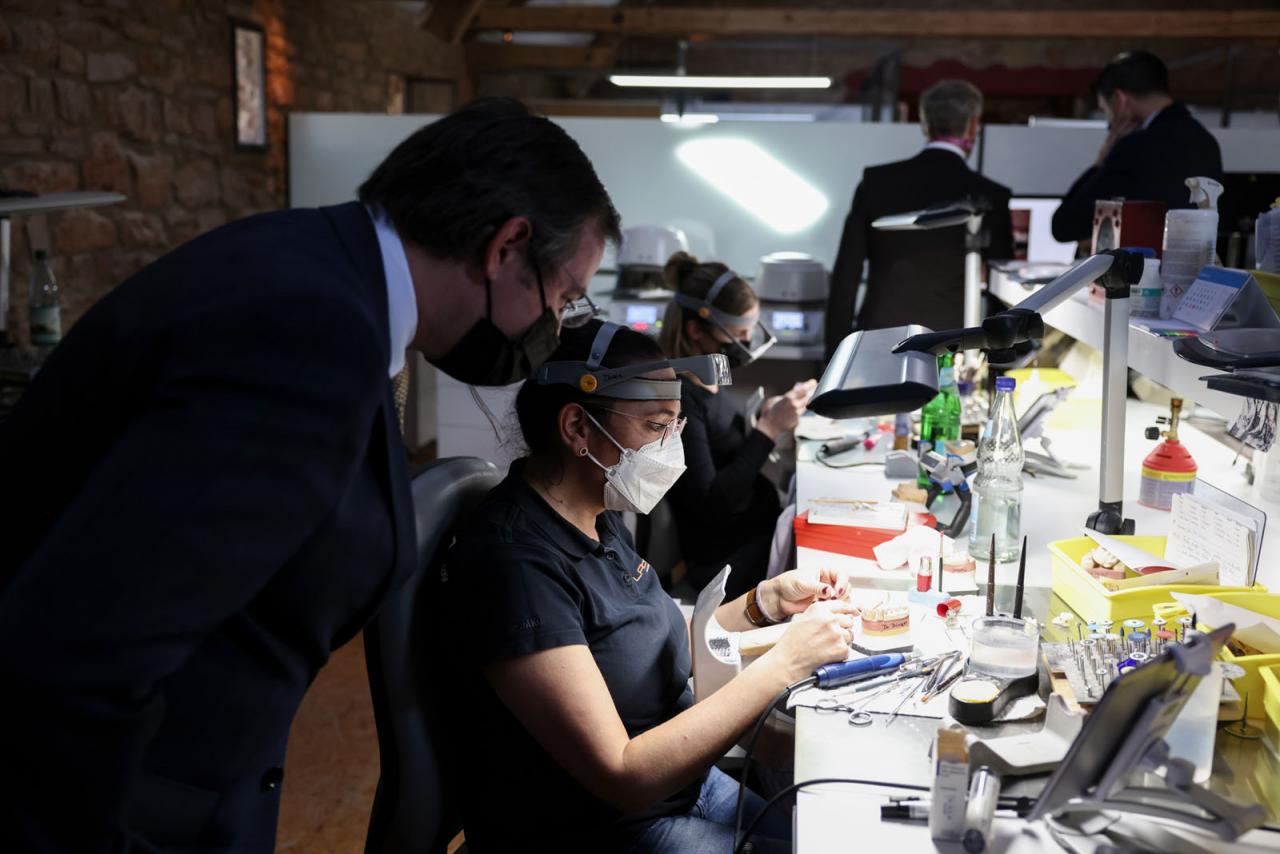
(917, 276)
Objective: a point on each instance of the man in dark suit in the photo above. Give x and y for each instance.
(917, 276)
(1153, 146)
(205, 490)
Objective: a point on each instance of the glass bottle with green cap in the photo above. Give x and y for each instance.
(44, 306)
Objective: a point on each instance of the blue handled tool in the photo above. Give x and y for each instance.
(840, 673)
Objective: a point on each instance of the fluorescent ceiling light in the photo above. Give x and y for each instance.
(757, 181)
(693, 81)
(690, 119)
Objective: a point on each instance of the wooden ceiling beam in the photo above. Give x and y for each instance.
(513, 57)
(1238, 24)
(449, 20)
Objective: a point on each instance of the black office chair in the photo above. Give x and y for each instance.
(412, 811)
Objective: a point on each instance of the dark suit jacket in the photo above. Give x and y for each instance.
(914, 276)
(1148, 165)
(204, 494)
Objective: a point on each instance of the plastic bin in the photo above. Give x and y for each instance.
(1092, 602)
(1252, 682)
(1271, 702)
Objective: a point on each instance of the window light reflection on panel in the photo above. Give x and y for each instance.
(757, 181)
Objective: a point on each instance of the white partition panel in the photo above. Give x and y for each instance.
(640, 162)
(1038, 161)
(741, 190)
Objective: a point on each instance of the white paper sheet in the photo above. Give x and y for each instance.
(1257, 630)
(1201, 533)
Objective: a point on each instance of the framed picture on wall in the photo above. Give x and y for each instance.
(249, 81)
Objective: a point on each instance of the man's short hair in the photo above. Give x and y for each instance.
(1136, 72)
(947, 106)
(452, 183)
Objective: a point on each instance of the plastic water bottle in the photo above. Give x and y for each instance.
(998, 486)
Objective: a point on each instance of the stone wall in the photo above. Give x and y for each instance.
(135, 96)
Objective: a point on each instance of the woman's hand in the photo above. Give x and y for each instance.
(782, 413)
(822, 635)
(793, 591)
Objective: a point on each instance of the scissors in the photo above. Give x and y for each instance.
(857, 717)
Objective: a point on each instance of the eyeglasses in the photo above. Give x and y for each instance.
(577, 312)
(670, 430)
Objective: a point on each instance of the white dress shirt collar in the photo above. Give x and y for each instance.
(946, 146)
(402, 302)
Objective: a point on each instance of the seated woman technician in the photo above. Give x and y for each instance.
(573, 712)
(725, 508)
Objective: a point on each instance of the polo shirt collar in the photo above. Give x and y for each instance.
(563, 533)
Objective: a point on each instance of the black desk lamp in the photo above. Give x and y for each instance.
(869, 376)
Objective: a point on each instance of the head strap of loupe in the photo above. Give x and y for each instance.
(704, 307)
(627, 382)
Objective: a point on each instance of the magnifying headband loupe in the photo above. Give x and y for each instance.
(627, 382)
(740, 353)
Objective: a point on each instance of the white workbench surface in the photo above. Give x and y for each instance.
(1054, 508)
(840, 818)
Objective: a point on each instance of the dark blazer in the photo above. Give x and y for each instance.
(1149, 165)
(914, 276)
(204, 494)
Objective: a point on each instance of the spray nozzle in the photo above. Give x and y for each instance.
(1204, 192)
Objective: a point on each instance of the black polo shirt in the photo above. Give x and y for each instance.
(521, 579)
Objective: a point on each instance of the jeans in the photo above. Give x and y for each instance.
(708, 827)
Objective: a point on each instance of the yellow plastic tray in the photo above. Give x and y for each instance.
(1252, 682)
(1093, 602)
(1271, 702)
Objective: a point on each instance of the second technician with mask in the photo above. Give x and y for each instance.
(724, 506)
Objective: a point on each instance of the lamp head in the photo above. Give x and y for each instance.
(866, 377)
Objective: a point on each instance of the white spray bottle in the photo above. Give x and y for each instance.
(1190, 242)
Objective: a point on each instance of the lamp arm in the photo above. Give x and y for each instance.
(1060, 289)
(1114, 269)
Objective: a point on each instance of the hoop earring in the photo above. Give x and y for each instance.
(582, 452)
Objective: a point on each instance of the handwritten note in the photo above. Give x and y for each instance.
(1200, 532)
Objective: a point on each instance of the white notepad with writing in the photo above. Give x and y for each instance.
(1201, 531)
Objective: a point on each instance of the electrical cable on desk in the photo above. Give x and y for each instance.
(822, 458)
(751, 745)
(795, 787)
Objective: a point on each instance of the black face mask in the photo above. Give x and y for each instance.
(486, 356)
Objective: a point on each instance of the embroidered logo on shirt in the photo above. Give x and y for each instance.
(641, 570)
(526, 625)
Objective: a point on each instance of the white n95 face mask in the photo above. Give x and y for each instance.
(641, 476)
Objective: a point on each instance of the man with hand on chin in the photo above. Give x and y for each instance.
(1153, 145)
(206, 492)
